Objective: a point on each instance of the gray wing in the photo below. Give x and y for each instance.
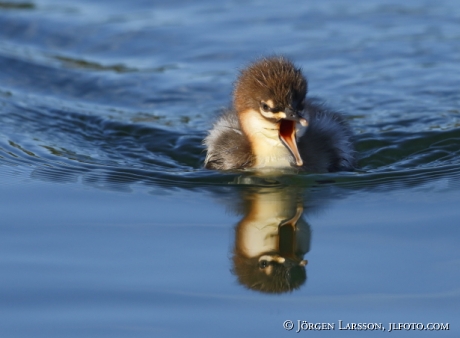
(327, 144)
(227, 146)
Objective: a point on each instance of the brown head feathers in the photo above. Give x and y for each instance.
(272, 78)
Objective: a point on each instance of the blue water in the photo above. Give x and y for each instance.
(109, 225)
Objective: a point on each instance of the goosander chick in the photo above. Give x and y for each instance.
(273, 125)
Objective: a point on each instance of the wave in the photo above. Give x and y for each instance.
(71, 145)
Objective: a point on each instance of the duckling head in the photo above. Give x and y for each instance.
(268, 98)
(270, 273)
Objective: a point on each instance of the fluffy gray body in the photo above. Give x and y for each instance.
(325, 146)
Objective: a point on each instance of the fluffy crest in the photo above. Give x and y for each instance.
(274, 78)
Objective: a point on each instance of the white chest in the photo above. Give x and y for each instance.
(272, 154)
(268, 149)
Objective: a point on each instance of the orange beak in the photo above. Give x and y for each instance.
(288, 134)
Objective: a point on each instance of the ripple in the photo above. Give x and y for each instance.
(397, 151)
(16, 5)
(68, 145)
(117, 68)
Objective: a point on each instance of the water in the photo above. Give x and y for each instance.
(111, 228)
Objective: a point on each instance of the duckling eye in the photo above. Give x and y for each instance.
(265, 107)
(263, 264)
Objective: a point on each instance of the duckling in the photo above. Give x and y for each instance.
(273, 125)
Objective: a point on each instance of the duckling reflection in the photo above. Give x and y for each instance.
(271, 241)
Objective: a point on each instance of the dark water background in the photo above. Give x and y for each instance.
(109, 226)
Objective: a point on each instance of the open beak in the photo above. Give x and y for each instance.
(287, 234)
(288, 133)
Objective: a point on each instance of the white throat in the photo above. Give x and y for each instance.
(268, 149)
(260, 227)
